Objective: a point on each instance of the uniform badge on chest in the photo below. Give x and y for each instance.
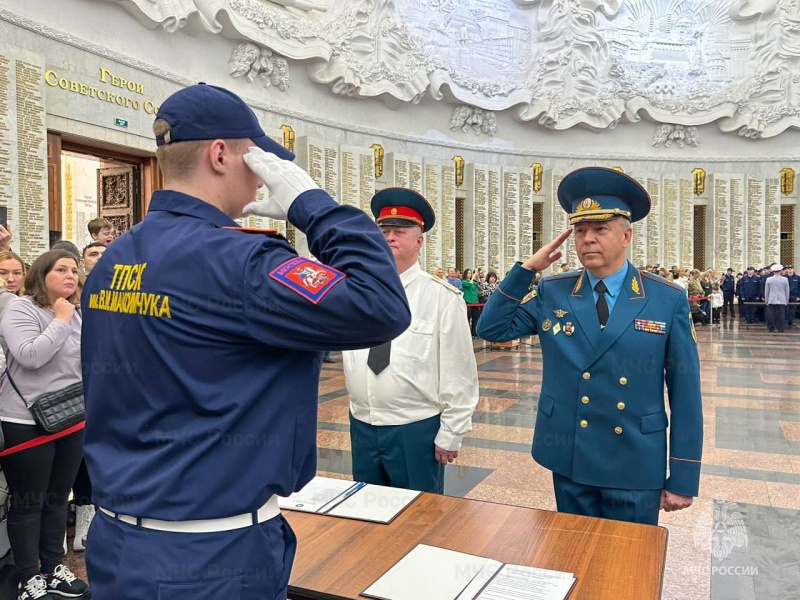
(546, 325)
(568, 328)
(649, 326)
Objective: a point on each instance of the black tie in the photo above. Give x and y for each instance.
(602, 305)
(378, 358)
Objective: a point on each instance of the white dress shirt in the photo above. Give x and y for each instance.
(432, 369)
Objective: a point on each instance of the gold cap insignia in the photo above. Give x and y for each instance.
(588, 204)
(394, 211)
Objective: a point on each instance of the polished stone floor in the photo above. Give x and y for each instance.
(741, 538)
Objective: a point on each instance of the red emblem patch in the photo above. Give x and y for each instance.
(312, 280)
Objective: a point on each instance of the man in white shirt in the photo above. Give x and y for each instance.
(776, 297)
(412, 399)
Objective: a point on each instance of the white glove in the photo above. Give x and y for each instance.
(284, 181)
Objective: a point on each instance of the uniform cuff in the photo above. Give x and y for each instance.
(684, 477)
(448, 441)
(307, 205)
(518, 282)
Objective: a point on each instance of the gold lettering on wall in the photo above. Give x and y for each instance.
(52, 78)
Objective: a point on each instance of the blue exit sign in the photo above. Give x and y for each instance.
(121, 123)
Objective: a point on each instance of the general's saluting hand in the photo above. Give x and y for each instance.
(547, 254)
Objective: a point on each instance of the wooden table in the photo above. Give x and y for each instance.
(339, 558)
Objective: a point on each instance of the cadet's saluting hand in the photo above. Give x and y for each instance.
(284, 181)
(547, 254)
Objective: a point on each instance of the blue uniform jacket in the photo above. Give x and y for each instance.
(727, 284)
(750, 287)
(601, 419)
(794, 287)
(202, 352)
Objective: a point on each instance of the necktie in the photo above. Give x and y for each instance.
(378, 358)
(602, 305)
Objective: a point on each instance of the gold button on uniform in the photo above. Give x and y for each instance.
(621, 405)
(584, 423)
(585, 399)
(623, 380)
(586, 375)
(618, 430)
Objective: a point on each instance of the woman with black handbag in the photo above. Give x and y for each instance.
(40, 401)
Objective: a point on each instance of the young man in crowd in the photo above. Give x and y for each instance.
(91, 254)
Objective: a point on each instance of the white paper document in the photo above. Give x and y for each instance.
(374, 503)
(517, 582)
(348, 499)
(316, 494)
(428, 572)
(439, 574)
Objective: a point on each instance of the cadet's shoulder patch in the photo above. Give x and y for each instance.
(312, 280)
(446, 284)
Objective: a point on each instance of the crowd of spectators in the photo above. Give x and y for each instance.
(40, 335)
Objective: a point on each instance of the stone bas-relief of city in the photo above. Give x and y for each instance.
(555, 63)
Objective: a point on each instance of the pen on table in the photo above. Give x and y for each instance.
(353, 490)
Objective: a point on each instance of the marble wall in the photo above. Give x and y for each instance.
(99, 62)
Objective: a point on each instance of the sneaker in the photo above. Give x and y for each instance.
(84, 519)
(34, 589)
(63, 584)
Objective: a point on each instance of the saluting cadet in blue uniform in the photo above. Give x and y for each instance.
(202, 359)
(611, 337)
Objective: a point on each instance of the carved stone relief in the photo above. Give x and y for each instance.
(250, 61)
(680, 135)
(469, 118)
(559, 63)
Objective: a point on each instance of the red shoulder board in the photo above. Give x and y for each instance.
(312, 280)
(253, 230)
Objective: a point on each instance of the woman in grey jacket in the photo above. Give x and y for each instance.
(41, 332)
